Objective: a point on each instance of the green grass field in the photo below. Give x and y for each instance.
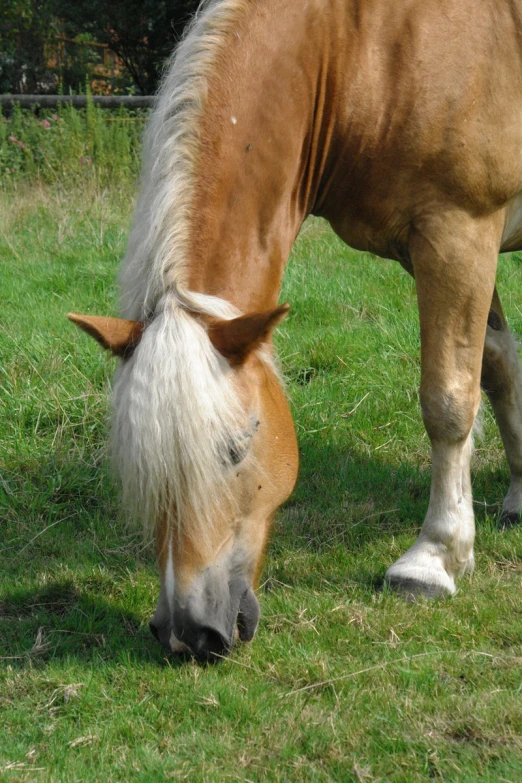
(344, 681)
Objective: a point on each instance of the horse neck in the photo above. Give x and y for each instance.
(258, 171)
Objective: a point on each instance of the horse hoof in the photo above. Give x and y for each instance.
(509, 519)
(410, 588)
(415, 580)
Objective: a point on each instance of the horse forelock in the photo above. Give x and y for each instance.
(175, 407)
(175, 413)
(156, 259)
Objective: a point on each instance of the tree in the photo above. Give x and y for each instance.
(142, 33)
(27, 27)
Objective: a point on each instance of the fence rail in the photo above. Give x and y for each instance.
(78, 101)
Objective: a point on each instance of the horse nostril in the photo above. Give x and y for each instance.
(210, 645)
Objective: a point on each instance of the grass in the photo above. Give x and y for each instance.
(344, 681)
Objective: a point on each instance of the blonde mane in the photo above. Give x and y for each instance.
(176, 410)
(156, 258)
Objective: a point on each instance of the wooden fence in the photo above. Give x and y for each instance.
(78, 101)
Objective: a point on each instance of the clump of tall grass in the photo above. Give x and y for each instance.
(69, 146)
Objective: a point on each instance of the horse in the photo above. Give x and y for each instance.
(399, 121)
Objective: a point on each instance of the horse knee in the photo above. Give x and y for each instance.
(448, 415)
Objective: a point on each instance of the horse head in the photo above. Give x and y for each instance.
(213, 514)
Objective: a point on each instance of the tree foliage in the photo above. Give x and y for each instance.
(142, 33)
(27, 27)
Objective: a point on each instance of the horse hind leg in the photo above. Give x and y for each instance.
(502, 382)
(454, 291)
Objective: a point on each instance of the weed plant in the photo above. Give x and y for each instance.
(71, 145)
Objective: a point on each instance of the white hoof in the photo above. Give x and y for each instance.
(423, 573)
(415, 581)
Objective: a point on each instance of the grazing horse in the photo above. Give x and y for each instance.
(400, 122)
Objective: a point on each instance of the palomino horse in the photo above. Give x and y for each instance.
(400, 122)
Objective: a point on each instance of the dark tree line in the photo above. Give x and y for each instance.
(44, 44)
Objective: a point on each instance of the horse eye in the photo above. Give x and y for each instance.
(236, 455)
(238, 450)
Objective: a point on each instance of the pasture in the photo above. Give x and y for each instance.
(344, 681)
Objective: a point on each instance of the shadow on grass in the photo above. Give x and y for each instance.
(343, 501)
(344, 497)
(62, 620)
(351, 516)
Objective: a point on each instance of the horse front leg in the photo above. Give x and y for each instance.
(502, 382)
(454, 263)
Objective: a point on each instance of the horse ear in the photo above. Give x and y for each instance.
(237, 338)
(115, 334)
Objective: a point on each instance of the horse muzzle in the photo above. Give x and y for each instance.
(207, 622)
